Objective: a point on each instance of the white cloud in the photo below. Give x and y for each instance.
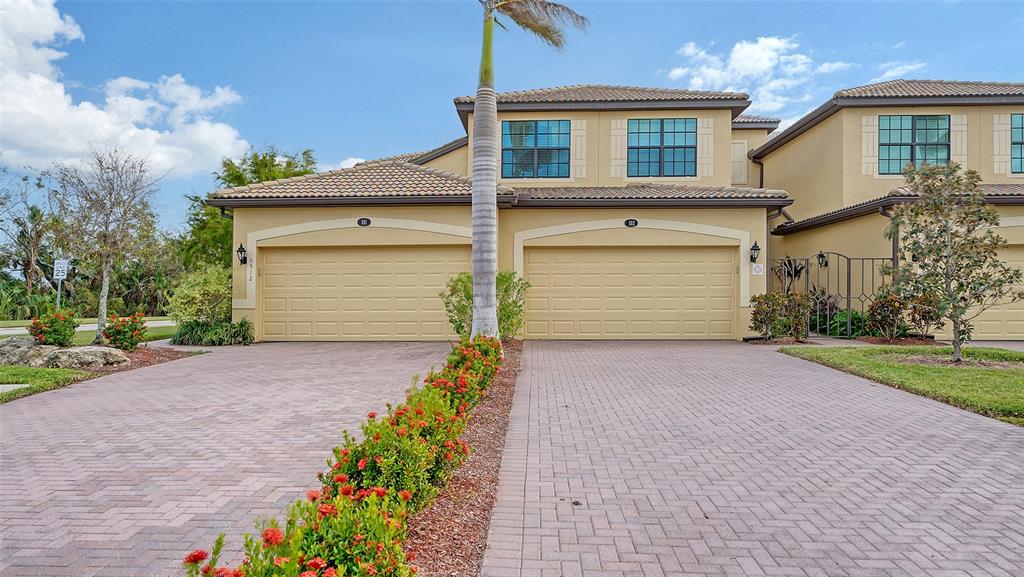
(771, 69)
(830, 67)
(899, 45)
(896, 69)
(347, 163)
(167, 120)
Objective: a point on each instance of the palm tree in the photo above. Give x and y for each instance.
(545, 20)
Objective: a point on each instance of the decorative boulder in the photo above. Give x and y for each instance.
(27, 351)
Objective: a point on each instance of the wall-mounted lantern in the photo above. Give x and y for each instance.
(822, 260)
(755, 251)
(242, 255)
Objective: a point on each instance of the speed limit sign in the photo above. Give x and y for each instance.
(60, 269)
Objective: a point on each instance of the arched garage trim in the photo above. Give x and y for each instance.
(520, 238)
(253, 238)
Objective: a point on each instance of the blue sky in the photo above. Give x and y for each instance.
(189, 82)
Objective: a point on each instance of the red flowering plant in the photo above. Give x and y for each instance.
(125, 333)
(355, 524)
(56, 328)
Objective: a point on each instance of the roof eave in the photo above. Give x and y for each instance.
(737, 105)
(654, 202)
(755, 125)
(348, 200)
(440, 151)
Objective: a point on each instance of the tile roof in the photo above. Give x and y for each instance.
(900, 88)
(606, 93)
(382, 178)
(987, 188)
(754, 119)
(428, 155)
(646, 191)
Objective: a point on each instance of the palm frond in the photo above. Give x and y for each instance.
(543, 18)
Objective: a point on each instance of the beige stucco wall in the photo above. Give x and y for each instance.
(456, 162)
(518, 228)
(810, 169)
(598, 147)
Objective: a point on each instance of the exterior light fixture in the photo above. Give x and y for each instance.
(822, 260)
(755, 251)
(242, 256)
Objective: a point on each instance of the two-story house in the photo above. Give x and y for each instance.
(617, 204)
(841, 165)
(634, 213)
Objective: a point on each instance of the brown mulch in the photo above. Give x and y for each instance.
(965, 362)
(144, 356)
(902, 342)
(782, 341)
(449, 537)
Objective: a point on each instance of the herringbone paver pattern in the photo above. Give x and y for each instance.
(671, 459)
(123, 475)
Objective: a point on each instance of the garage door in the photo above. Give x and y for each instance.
(357, 293)
(631, 293)
(1005, 322)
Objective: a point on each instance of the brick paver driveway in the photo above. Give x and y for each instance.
(120, 476)
(678, 459)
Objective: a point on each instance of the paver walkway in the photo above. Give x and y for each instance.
(123, 475)
(673, 458)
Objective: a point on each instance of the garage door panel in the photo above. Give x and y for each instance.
(357, 293)
(630, 292)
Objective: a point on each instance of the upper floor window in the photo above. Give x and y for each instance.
(1017, 143)
(535, 149)
(905, 139)
(661, 147)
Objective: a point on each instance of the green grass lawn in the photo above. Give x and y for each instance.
(86, 321)
(39, 380)
(992, 391)
(152, 334)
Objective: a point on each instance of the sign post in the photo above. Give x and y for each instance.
(60, 272)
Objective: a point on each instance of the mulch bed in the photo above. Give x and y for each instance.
(966, 362)
(902, 342)
(782, 341)
(449, 537)
(144, 356)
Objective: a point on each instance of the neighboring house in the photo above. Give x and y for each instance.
(631, 211)
(841, 166)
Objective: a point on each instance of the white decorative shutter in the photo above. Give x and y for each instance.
(869, 145)
(618, 142)
(705, 147)
(1001, 143)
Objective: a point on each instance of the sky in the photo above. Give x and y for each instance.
(188, 83)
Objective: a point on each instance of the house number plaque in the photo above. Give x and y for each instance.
(631, 223)
(363, 221)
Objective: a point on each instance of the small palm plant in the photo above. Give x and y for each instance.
(545, 20)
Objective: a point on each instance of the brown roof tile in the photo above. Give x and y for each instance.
(900, 88)
(754, 119)
(645, 191)
(383, 178)
(987, 188)
(605, 93)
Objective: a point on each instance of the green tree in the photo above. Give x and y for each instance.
(950, 250)
(259, 166)
(545, 20)
(208, 238)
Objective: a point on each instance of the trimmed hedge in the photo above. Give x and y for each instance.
(354, 524)
(202, 333)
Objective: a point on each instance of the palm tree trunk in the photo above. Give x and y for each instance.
(101, 314)
(485, 185)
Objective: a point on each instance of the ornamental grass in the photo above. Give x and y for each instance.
(355, 522)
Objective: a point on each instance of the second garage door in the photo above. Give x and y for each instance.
(631, 292)
(1005, 322)
(357, 293)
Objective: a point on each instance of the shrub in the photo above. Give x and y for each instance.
(923, 314)
(125, 333)
(355, 523)
(836, 325)
(796, 314)
(56, 328)
(511, 292)
(766, 315)
(201, 333)
(204, 295)
(885, 315)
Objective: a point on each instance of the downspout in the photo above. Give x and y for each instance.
(760, 165)
(225, 213)
(887, 213)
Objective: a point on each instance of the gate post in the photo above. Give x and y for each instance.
(849, 290)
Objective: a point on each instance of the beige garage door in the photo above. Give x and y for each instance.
(357, 293)
(631, 293)
(1005, 322)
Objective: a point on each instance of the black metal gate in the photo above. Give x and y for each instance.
(841, 288)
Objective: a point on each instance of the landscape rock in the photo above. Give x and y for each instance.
(27, 351)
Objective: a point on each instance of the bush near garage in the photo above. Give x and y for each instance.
(885, 315)
(354, 524)
(201, 333)
(458, 303)
(204, 295)
(56, 328)
(125, 333)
